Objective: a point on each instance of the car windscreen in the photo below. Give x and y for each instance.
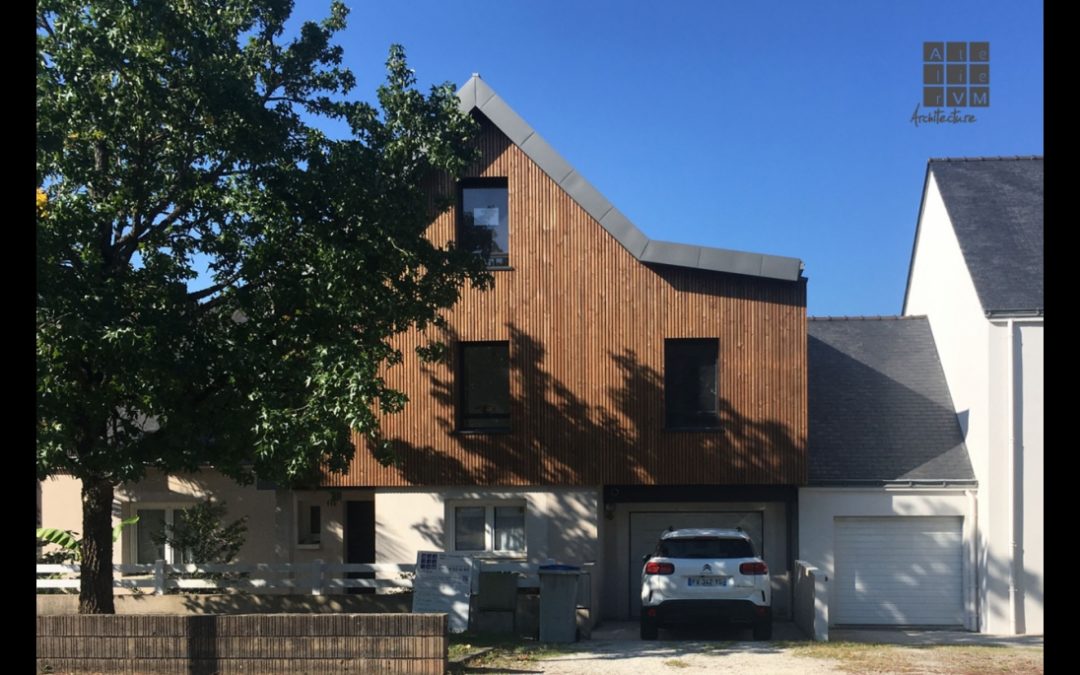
(705, 547)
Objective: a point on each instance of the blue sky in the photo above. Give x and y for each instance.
(773, 127)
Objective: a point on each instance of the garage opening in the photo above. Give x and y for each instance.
(647, 526)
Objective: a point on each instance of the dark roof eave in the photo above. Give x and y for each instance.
(919, 483)
(477, 95)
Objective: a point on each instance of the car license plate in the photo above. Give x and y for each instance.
(707, 581)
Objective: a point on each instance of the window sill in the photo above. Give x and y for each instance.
(482, 432)
(495, 555)
(500, 268)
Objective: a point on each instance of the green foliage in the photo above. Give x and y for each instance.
(174, 137)
(67, 540)
(201, 533)
(70, 543)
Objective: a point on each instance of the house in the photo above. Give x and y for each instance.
(889, 510)
(607, 387)
(977, 274)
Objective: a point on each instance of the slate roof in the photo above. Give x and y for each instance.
(879, 408)
(996, 208)
(477, 95)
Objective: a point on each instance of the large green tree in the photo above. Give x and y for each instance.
(217, 279)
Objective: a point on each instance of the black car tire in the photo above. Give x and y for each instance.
(649, 629)
(763, 630)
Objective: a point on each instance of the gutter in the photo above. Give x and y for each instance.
(1014, 313)
(1016, 497)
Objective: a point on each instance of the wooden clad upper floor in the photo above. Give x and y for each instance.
(584, 323)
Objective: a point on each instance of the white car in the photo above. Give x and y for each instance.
(703, 575)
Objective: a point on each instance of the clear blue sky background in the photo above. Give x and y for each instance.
(773, 127)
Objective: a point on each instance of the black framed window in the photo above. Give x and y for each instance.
(484, 219)
(484, 386)
(690, 391)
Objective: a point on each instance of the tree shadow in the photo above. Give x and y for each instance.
(559, 437)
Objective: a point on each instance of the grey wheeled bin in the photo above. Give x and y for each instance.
(558, 602)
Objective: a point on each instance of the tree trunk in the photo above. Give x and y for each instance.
(96, 575)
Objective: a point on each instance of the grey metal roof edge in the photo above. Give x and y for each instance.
(914, 483)
(475, 94)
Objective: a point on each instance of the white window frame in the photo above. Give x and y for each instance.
(170, 509)
(489, 506)
(311, 500)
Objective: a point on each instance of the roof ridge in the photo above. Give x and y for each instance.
(477, 94)
(988, 158)
(879, 317)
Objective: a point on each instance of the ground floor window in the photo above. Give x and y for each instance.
(151, 540)
(493, 527)
(308, 524)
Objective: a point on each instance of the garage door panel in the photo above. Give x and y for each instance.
(898, 570)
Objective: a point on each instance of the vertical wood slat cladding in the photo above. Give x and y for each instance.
(586, 323)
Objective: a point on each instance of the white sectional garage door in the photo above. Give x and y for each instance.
(901, 570)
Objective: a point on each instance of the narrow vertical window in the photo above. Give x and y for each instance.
(484, 386)
(469, 529)
(690, 391)
(484, 223)
(308, 523)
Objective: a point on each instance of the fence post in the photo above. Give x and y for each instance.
(159, 577)
(318, 572)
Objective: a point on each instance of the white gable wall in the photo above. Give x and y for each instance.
(978, 364)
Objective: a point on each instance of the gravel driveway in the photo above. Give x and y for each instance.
(641, 658)
(615, 648)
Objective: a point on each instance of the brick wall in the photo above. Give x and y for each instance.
(255, 643)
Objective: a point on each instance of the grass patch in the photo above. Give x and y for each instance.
(860, 657)
(505, 651)
(676, 663)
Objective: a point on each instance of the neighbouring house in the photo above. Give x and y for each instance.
(977, 274)
(607, 387)
(889, 511)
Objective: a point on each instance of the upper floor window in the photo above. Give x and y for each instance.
(484, 219)
(690, 391)
(484, 386)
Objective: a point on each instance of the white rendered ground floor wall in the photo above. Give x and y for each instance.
(893, 556)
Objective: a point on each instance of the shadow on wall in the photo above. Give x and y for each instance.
(564, 439)
(996, 582)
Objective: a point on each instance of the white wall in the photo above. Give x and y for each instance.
(1031, 346)
(941, 288)
(1016, 396)
(977, 361)
(819, 507)
(560, 524)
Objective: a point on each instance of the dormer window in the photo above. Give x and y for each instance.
(484, 224)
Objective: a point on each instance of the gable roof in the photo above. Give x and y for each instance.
(477, 95)
(880, 411)
(995, 205)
